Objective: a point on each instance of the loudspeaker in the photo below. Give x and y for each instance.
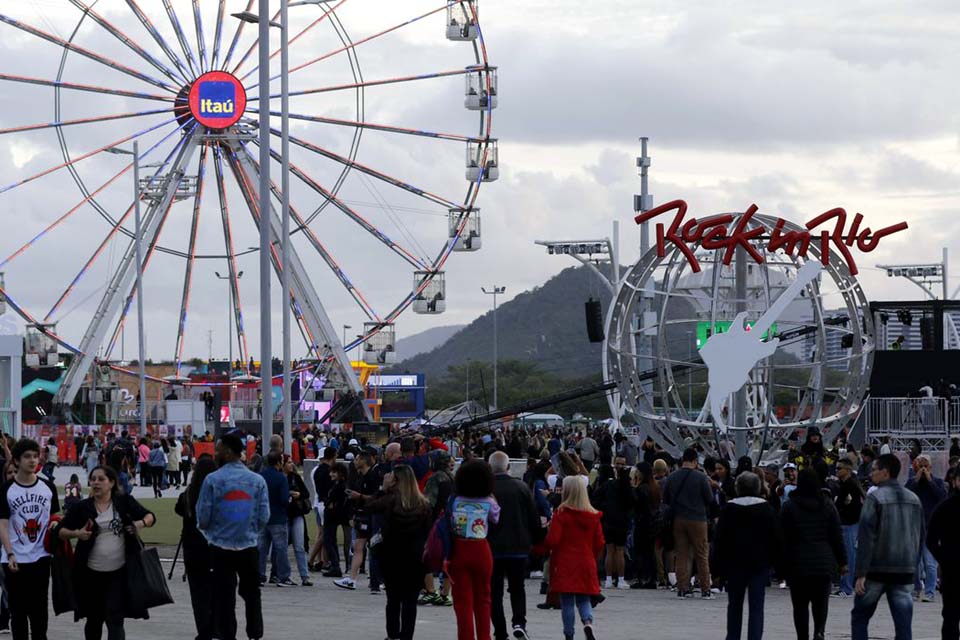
(928, 333)
(594, 314)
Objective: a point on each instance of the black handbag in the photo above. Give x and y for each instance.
(146, 585)
(61, 578)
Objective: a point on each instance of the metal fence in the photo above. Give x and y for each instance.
(917, 417)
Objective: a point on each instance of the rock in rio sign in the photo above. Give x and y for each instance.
(713, 233)
(217, 100)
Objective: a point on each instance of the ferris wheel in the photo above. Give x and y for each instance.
(386, 101)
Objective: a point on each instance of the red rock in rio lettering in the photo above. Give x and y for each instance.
(713, 233)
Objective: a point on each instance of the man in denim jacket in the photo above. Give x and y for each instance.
(232, 510)
(890, 534)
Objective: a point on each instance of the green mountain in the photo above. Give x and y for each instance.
(545, 326)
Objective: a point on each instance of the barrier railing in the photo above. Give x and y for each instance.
(919, 417)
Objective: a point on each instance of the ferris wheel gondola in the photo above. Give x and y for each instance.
(194, 66)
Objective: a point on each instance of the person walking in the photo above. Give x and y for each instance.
(336, 516)
(473, 511)
(173, 462)
(365, 483)
(437, 491)
(687, 493)
(90, 455)
(614, 498)
(297, 510)
(274, 538)
(157, 463)
(321, 487)
(589, 451)
(814, 552)
(232, 510)
(196, 551)
(848, 497)
(51, 458)
(575, 539)
(891, 531)
(107, 527)
(944, 545)
(749, 543)
(511, 539)
(26, 503)
(406, 524)
(143, 462)
(647, 505)
(931, 491)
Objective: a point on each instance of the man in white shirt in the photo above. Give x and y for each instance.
(26, 504)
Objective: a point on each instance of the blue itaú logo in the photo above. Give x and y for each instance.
(218, 99)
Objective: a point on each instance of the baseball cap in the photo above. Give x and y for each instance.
(353, 442)
(350, 456)
(789, 465)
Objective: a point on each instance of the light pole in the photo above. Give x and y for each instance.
(138, 244)
(229, 314)
(346, 327)
(264, 109)
(495, 291)
(689, 372)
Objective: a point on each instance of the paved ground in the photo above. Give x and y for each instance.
(328, 612)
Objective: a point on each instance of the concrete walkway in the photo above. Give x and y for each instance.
(324, 611)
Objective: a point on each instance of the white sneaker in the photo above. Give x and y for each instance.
(536, 575)
(345, 583)
(783, 584)
(623, 584)
(608, 583)
(927, 598)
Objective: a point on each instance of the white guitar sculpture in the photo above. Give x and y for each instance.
(732, 355)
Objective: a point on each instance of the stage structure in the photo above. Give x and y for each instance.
(375, 214)
(750, 290)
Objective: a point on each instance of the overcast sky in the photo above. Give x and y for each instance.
(797, 108)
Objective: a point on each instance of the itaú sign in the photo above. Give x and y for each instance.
(715, 232)
(217, 100)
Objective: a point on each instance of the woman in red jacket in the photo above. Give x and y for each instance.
(575, 539)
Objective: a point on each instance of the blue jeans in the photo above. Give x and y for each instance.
(298, 538)
(901, 609)
(850, 542)
(569, 601)
(926, 569)
(276, 536)
(738, 586)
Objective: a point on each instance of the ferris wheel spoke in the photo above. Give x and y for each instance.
(231, 256)
(85, 87)
(49, 37)
(236, 37)
(314, 241)
(113, 232)
(89, 263)
(218, 35)
(253, 47)
(131, 296)
(201, 39)
(356, 44)
(126, 40)
(67, 123)
(181, 38)
(303, 32)
(155, 34)
(85, 156)
(400, 184)
(376, 127)
(192, 253)
(404, 253)
(374, 83)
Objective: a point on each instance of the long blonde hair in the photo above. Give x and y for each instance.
(407, 489)
(575, 495)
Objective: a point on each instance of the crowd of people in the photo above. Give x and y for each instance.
(453, 520)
